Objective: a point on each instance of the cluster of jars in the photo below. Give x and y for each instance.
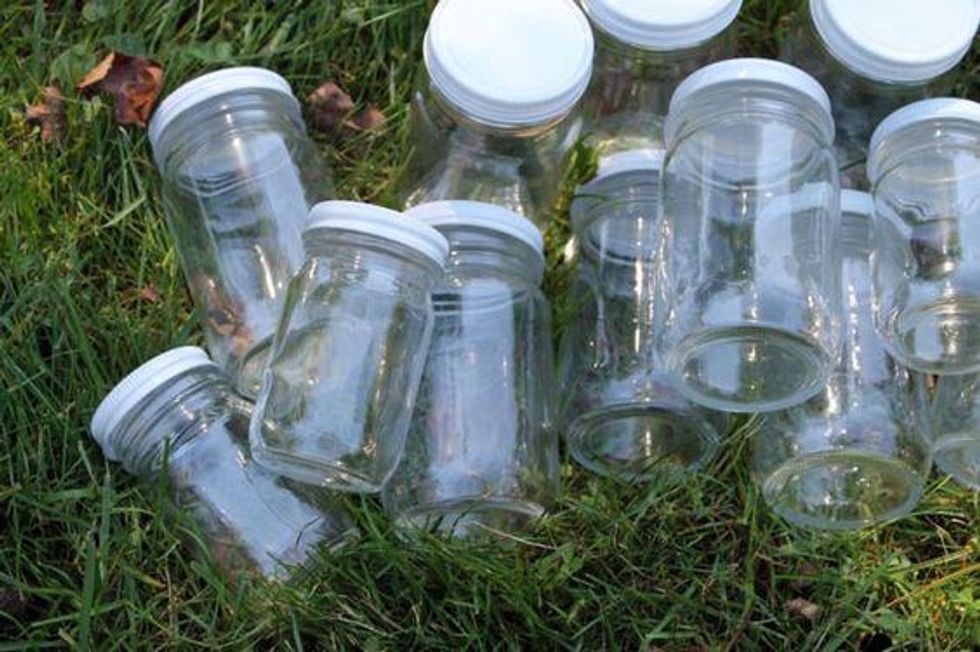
(720, 269)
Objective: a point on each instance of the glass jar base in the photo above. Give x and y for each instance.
(749, 368)
(248, 376)
(958, 455)
(842, 490)
(942, 337)
(472, 517)
(636, 442)
(330, 476)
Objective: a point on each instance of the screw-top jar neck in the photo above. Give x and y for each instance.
(857, 211)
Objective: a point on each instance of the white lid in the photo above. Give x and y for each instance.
(481, 215)
(139, 384)
(510, 63)
(381, 222)
(856, 202)
(923, 111)
(897, 40)
(662, 24)
(212, 85)
(757, 71)
(631, 160)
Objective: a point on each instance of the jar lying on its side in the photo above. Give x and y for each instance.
(345, 365)
(482, 452)
(239, 177)
(177, 414)
(956, 428)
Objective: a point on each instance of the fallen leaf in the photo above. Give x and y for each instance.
(134, 83)
(49, 114)
(367, 119)
(805, 608)
(330, 105)
(150, 294)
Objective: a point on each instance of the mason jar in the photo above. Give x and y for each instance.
(956, 428)
(177, 416)
(857, 453)
(925, 169)
(643, 51)
(482, 450)
(752, 228)
(621, 414)
(875, 57)
(494, 116)
(347, 358)
(239, 175)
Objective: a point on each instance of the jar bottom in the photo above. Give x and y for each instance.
(958, 455)
(941, 337)
(637, 442)
(330, 476)
(842, 490)
(472, 517)
(248, 377)
(749, 368)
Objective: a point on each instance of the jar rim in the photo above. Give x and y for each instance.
(463, 213)
(662, 26)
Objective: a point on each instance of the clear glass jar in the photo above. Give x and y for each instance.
(497, 128)
(956, 428)
(752, 224)
(925, 168)
(643, 51)
(347, 358)
(875, 57)
(239, 177)
(482, 452)
(621, 413)
(857, 453)
(177, 415)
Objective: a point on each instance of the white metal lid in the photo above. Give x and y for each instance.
(509, 63)
(139, 384)
(381, 222)
(740, 71)
(897, 40)
(662, 24)
(856, 202)
(212, 85)
(481, 215)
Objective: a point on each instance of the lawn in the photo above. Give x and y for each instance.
(90, 287)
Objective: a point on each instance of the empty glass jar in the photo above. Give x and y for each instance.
(752, 224)
(925, 169)
(643, 50)
(621, 414)
(177, 415)
(345, 365)
(482, 451)
(239, 177)
(494, 116)
(956, 428)
(857, 453)
(874, 56)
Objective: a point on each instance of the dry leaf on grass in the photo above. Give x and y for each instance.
(367, 119)
(49, 114)
(804, 608)
(134, 83)
(331, 107)
(150, 294)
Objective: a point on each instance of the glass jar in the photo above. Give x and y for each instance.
(482, 451)
(643, 50)
(347, 358)
(875, 56)
(856, 454)
(956, 428)
(621, 414)
(496, 127)
(752, 224)
(239, 177)
(925, 168)
(176, 415)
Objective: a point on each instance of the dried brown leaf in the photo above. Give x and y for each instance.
(804, 608)
(150, 294)
(49, 114)
(329, 105)
(367, 119)
(134, 83)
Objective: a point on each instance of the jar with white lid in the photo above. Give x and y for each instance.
(177, 415)
(239, 175)
(752, 228)
(875, 56)
(924, 166)
(482, 451)
(495, 114)
(643, 50)
(345, 365)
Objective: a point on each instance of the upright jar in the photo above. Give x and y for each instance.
(239, 177)
(621, 413)
(176, 415)
(925, 169)
(857, 453)
(875, 56)
(482, 451)
(752, 223)
(345, 365)
(956, 428)
(643, 50)
(494, 116)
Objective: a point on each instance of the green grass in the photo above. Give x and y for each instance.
(88, 557)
